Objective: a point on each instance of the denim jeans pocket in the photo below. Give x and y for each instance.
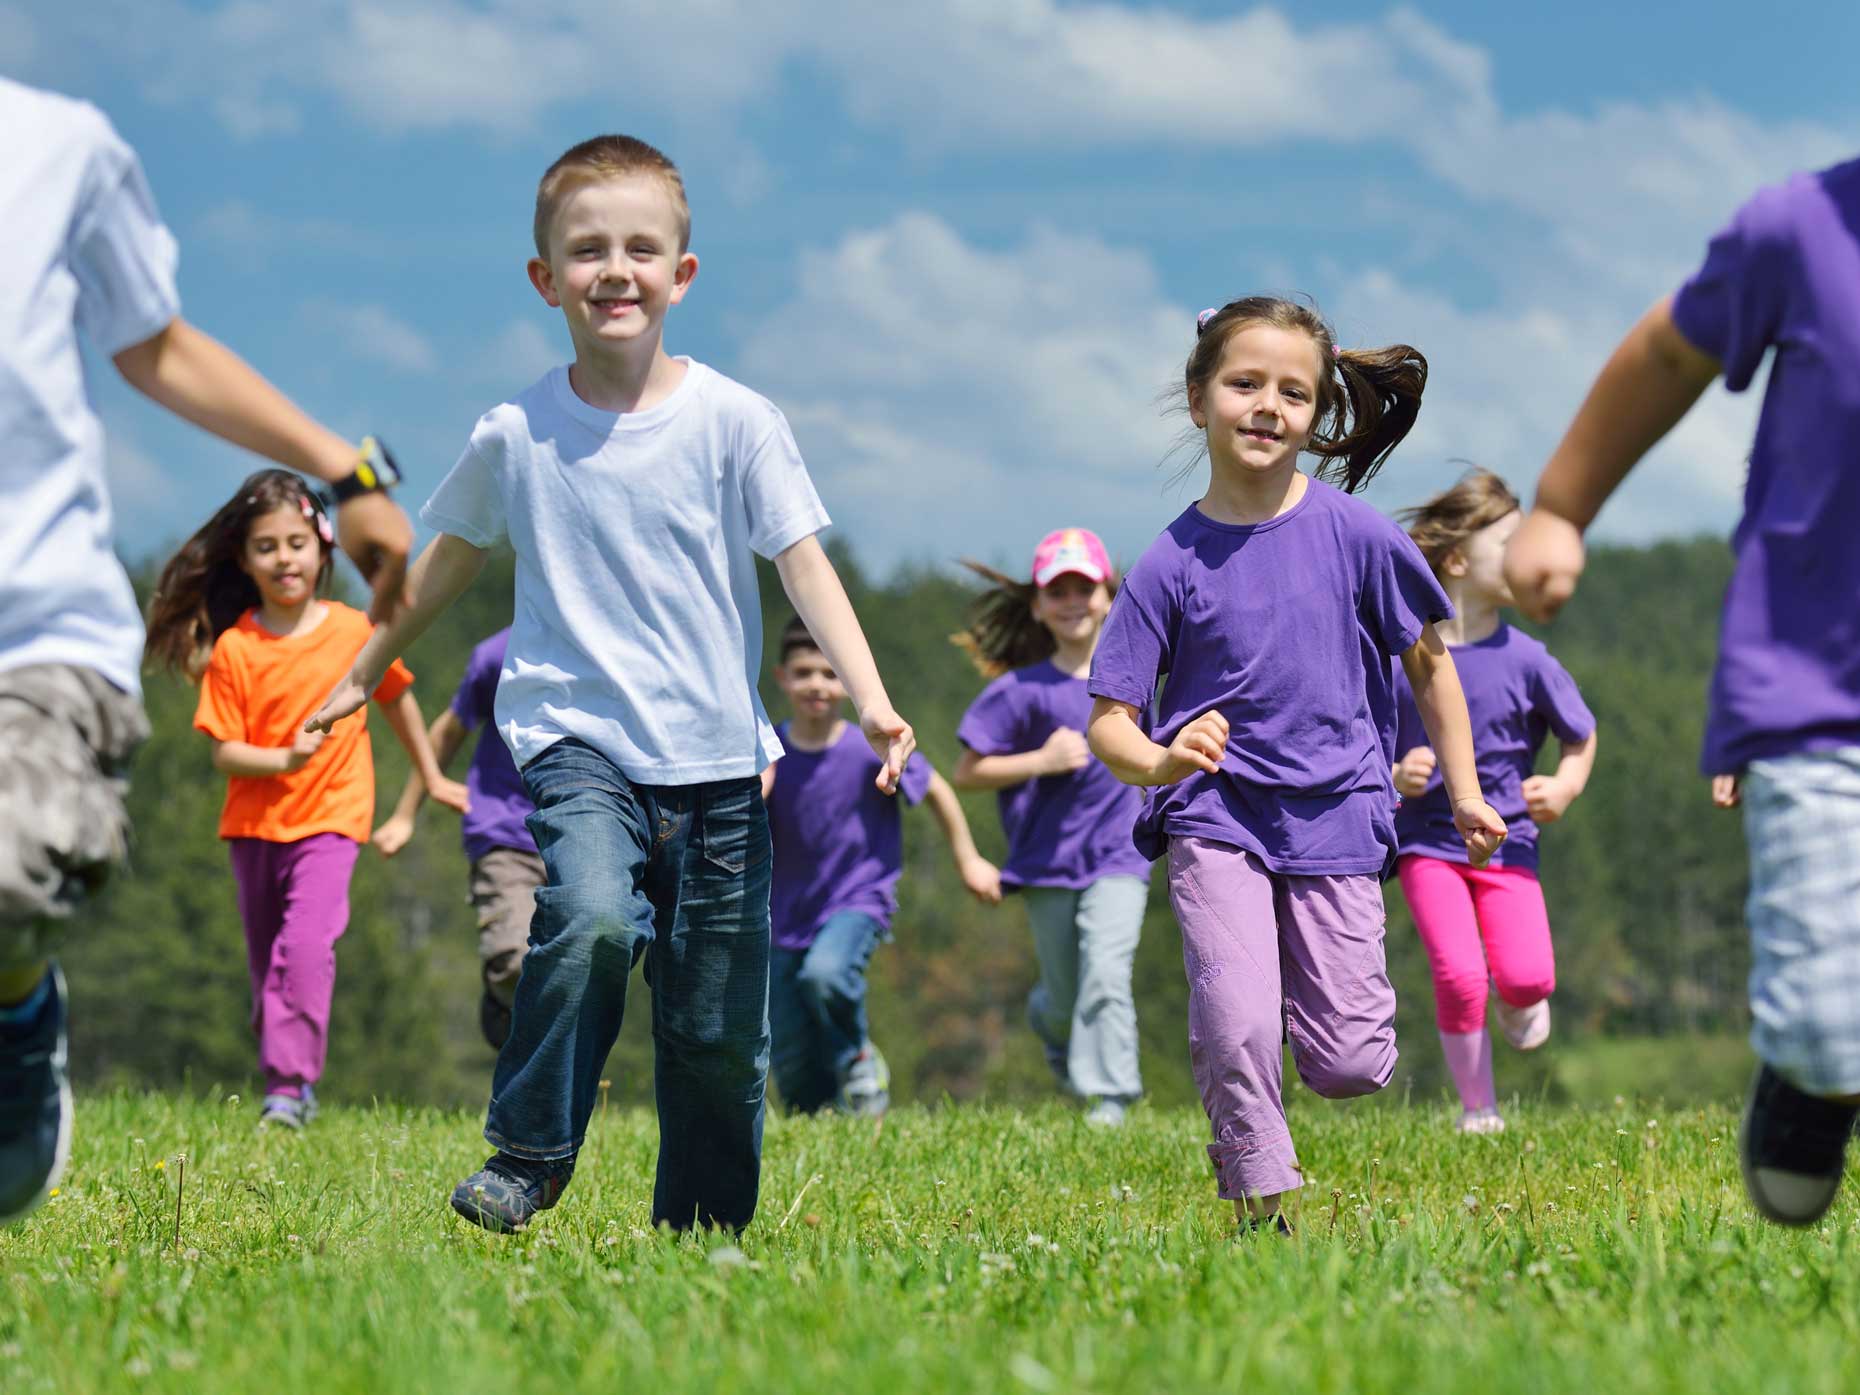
(735, 830)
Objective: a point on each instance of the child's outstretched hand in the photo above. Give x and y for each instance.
(449, 793)
(1727, 791)
(892, 741)
(307, 744)
(1414, 771)
(349, 697)
(983, 879)
(392, 836)
(1479, 824)
(1543, 562)
(1200, 745)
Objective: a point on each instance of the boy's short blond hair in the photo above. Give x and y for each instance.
(607, 157)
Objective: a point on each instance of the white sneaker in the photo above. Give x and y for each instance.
(1526, 1028)
(866, 1090)
(1487, 1120)
(1106, 1113)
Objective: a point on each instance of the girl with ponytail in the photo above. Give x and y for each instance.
(1269, 612)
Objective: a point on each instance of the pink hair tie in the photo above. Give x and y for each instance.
(1201, 320)
(1335, 352)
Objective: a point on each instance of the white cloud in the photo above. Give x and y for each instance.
(374, 334)
(518, 354)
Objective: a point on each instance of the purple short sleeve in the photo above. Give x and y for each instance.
(1134, 646)
(477, 692)
(1559, 702)
(993, 724)
(1732, 305)
(914, 784)
(1401, 595)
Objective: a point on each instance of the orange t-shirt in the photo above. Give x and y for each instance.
(262, 688)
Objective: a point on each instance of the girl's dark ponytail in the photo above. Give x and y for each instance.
(1002, 633)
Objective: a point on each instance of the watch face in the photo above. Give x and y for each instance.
(376, 468)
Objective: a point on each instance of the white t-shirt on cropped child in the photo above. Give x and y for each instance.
(82, 250)
(638, 626)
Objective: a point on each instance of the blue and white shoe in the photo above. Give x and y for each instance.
(288, 1111)
(35, 1103)
(865, 1089)
(506, 1193)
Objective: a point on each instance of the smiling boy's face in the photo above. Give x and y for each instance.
(813, 689)
(615, 263)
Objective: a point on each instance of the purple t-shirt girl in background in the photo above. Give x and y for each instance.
(1516, 694)
(839, 843)
(1062, 830)
(499, 803)
(1287, 627)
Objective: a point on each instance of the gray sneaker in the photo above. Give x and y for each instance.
(506, 1193)
(866, 1088)
(1106, 1112)
(35, 1104)
(1793, 1148)
(288, 1111)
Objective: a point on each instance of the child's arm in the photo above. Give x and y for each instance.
(258, 762)
(446, 735)
(1413, 771)
(200, 380)
(1062, 753)
(403, 715)
(1548, 797)
(441, 575)
(813, 586)
(1643, 390)
(979, 875)
(1727, 791)
(1442, 704)
(1118, 741)
(768, 780)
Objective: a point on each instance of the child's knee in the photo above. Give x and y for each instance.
(826, 985)
(1526, 990)
(1361, 1069)
(1459, 999)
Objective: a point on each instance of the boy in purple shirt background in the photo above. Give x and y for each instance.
(839, 850)
(1485, 927)
(1067, 817)
(505, 866)
(1783, 725)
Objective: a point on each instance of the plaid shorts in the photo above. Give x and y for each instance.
(1802, 821)
(66, 735)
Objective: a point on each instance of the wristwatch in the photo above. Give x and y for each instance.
(374, 470)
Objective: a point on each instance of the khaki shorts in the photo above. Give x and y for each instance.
(66, 736)
(503, 891)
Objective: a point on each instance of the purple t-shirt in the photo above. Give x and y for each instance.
(1287, 627)
(1062, 830)
(1786, 274)
(1517, 695)
(839, 842)
(499, 803)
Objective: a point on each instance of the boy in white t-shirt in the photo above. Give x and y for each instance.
(86, 254)
(636, 490)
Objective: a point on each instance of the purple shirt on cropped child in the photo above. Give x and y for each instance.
(839, 842)
(1516, 694)
(499, 803)
(1786, 273)
(1062, 830)
(1286, 627)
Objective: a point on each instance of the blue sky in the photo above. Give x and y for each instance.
(961, 242)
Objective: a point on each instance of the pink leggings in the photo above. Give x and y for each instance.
(1479, 925)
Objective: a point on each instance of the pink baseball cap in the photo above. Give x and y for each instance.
(1070, 550)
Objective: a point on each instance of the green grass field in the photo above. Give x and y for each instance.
(1606, 1251)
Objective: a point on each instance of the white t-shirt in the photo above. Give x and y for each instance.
(638, 627)
(81, 249)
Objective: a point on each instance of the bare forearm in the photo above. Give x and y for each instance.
(946, 809)
(814, 588)
(255, 762)
(975, 772)
(437, 579)
(1647, 385)
(1118, 741)
(1442, 705)
(1576, 764)
(202, 381)
(403, 717)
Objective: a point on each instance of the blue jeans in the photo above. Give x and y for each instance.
(817, 1008)
(678, 876)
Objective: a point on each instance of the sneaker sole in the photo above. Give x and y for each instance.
(484, 1219)
(1754, 1189)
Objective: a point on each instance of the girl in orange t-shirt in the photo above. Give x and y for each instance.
(239, 610)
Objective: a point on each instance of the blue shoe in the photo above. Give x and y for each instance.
(1793, 1148)
(35, 1104)
(507, 1191)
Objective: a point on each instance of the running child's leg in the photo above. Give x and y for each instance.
(1223, 899)
(260, 894)
(709, 970)
(1052, 911)
(832, 984)
(503, 892)
(593, 922)
(1339, 1003)
(798, 1055)
(1102, 1055)
(1515, 927)
(1442, 906)
(313, 878)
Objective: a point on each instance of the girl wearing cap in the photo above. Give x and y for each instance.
(1068, 819)
(1269, 611)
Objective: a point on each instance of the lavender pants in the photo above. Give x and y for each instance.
(1271, 958)
(294, 901)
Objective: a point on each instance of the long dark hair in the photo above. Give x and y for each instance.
(1367, 399)
(1002, 634)
(1447, 520)
(203, 590)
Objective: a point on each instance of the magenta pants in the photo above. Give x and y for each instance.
(1275, 958)
(1480, 926)
(294, 901)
